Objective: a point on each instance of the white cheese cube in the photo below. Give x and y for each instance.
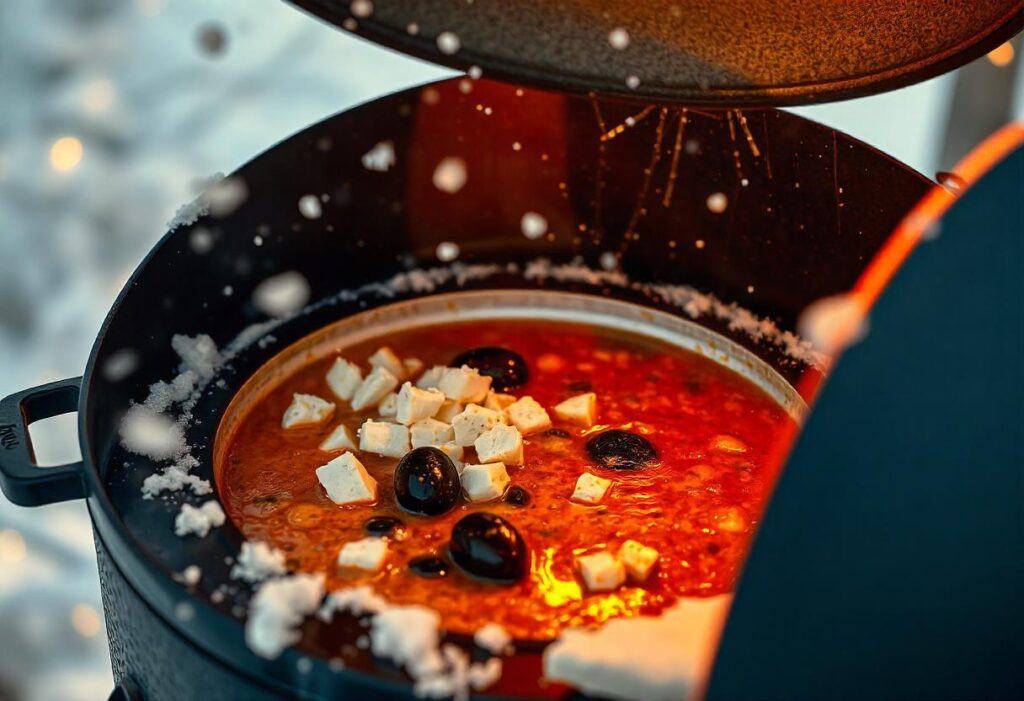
(306, 409)
(498, 401)
(474, 421)
(386, 358)
(366, 554)
(341, 438)
(416, 404)
(388, 406)
(344, 378)
(453, 451)
(638, 559)
(464, 384)
(430, 432)
(346, 481)
(580, 410)
(528, 416)
(449, 410)
(431, 377)
(374, 388)
(485, 482)
(601, 571)
(382, 438)
(500, 443)
(590, 489)
(413, 367)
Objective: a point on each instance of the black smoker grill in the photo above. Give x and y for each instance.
(889, 562)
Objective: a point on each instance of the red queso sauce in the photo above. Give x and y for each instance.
(719, 439)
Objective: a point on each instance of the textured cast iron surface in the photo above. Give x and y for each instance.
(164, 667)
(723, 51)
(815, 207)
(888, 565)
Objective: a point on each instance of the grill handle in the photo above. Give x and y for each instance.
(22, 481)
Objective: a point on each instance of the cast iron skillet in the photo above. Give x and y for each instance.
(720, 52)
(805, 214)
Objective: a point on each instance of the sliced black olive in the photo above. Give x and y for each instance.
(505, 368)
(381, 526)
(426, 482)
(556, 433)
(429, 566)
(621, 450)
(487, 546)
(517, 496)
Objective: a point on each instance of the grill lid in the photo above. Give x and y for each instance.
(738, 52)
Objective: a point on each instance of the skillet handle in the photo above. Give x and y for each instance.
(22, 481)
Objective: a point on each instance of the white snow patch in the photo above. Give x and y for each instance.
(258, 561)
(277, 611)
(380, 158)
(282, 294)
(450, 175)
(193, 520)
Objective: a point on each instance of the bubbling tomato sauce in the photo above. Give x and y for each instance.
(718, 436)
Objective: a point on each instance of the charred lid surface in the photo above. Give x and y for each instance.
(700, 51)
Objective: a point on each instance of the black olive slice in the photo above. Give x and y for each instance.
(428, 566)
(382, 526)
(488, 547)
(426, 482)
(621, 450)
(506, 368)
(517, 496)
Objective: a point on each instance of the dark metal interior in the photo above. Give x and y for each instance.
(725, 52)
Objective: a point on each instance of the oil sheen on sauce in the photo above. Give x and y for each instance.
(699, 507)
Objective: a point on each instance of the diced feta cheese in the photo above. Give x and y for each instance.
(449, 410)
(453, 451)
(341, 438)
(374, 388)
(430, 432)
(590, 489)
(198, 520)
(382, 438)
(485, 482)
(413, 367)
(601, 571)
(306, 409)
(386, 358)
(365, 554)
(344, 378)
(464, 384)
(388, 406)
(431, 377)
(498, 401)
(528, 416)
(474, 421)
(416, 404)
(346, 481)
(500, 443)
(638, 559)
(580, 410)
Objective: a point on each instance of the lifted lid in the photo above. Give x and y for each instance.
(739, 52)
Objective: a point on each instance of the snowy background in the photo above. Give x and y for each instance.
(110, 112)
